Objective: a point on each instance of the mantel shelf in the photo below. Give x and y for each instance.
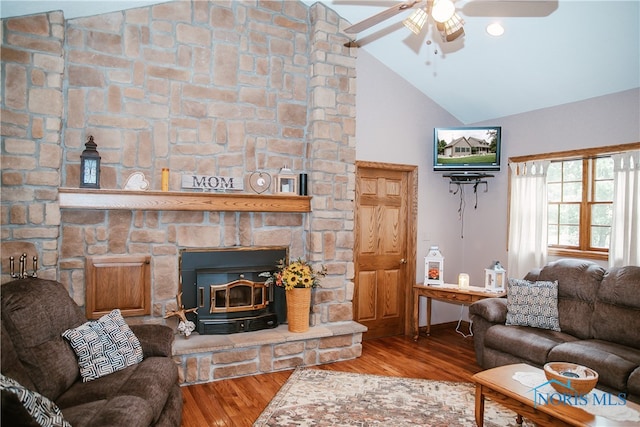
(82, 198)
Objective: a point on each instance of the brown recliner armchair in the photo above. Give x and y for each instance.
(34, 314)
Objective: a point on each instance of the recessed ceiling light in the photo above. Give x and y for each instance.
(495, 29)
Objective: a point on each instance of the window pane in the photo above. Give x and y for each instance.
(570, 214)
(553, 216)
(572, 170)
(572, 192)
(600, 237)
(601, 214)
(568, 235)
(552, 235)
(554, 192)
(604, 191)
(554, 173)
(604, 168)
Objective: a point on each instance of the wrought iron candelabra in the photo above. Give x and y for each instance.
(22, 272)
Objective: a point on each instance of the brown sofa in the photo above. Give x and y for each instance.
(599, 316)
(35, 313)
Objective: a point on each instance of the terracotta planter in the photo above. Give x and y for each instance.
(298, 307)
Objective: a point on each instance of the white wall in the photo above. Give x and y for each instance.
(395, 125)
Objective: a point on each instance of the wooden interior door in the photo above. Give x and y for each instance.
(122, 282)
(385, 247)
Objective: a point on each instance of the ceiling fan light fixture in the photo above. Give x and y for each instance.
(443, 10)
(495, 29)
(416, 20)
(451, 29)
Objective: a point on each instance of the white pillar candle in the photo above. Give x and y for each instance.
(463, 280)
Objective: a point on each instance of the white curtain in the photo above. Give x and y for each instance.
(624, 246)
(527, 217)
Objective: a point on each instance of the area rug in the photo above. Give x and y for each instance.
(313, 397)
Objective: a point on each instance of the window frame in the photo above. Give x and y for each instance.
(587, 189)
(587, 200)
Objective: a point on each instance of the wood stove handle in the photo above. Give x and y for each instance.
(201, 297)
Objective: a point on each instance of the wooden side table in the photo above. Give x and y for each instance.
(448, 293)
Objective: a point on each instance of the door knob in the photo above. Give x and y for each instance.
(403, 261)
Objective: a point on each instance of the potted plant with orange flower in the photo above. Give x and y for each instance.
(297, 278)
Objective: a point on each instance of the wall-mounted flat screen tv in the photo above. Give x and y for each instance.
(467, 149)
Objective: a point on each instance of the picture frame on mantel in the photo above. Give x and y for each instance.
(286, 182)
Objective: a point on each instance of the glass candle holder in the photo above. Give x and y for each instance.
(463, 280)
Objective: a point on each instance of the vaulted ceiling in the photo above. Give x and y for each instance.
(552, 52)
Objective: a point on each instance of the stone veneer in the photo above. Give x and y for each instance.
(204, 87)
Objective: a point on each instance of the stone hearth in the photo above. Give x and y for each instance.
(212, 357)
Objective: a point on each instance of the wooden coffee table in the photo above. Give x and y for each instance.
(498, 385)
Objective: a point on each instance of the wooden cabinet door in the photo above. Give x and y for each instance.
(122, 282)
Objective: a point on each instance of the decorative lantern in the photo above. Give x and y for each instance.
(495, 278)
(434, 267)
(286, 181)
(90, 166)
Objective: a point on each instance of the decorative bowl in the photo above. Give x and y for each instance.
(569, 378)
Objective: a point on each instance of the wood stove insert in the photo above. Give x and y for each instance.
(225, 287)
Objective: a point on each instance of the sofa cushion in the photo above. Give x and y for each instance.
(35, 330)
(614, 363)
(532, 304)
(616, 314)
(41, 409)
(130, 411)
(104, 346)
(633, 386)
(531, 344)
(150, 380)
(578, 282)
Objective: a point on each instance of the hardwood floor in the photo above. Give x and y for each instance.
(445, 355)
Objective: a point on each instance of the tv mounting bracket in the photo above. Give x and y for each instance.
(467, 178)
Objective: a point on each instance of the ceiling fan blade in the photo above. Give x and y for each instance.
(379, 17)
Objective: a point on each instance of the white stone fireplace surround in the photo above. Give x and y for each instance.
(201, 87)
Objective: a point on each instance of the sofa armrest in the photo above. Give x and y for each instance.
(156, 340)
(484, 314)
(493, 310)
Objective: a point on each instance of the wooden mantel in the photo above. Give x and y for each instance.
(82, 198)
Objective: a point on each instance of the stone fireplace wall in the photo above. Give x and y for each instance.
(203, 87)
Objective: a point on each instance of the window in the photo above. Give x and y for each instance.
(580, 197)
(580, 191)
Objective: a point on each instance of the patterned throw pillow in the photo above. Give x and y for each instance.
(44, 411)
(532, 304)
(104, 346)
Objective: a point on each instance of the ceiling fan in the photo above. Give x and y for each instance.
(443, 12)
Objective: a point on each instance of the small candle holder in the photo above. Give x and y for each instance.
(22, 272)
(463, 280)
